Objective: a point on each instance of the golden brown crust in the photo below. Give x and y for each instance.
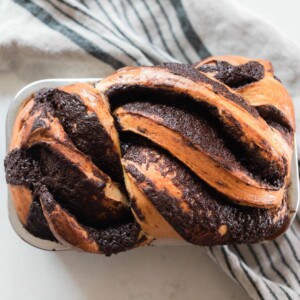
(65, 227)
(197, 213)
(253, 131)
(266, 91)
(21, 197)
(235, 184)
(96, 104)
(146, 214)
(21, 118)
(206, 155)
(37, 127)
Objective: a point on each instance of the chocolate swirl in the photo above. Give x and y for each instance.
(200, 153)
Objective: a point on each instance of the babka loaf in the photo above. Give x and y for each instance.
(200, 153)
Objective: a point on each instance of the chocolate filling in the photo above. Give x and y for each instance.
(136, 209)
(74, 191)
(201, 123)
(36, 222)
(238, 76)
(275, 118)
(41, 165)
(111, 224)
(191, 73)
(112, 239)
(235, 76)
(208, 209)
(84, 129)
(116, 238)
(268, 171)
(21, 168)
(196, 125)
(87, 133)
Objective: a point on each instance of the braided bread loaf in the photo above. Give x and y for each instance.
(200, 153)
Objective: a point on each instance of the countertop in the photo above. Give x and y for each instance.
(183, 272)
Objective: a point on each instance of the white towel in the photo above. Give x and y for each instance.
(90, 38)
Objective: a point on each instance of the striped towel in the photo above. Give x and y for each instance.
(91, 38)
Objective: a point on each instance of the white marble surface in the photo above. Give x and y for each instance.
(151, 273)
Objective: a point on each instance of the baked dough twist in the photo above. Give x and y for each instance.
(198, 153)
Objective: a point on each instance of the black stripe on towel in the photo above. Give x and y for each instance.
(189, 31)
(211, 250)
(140, 19)
(158, 28)
(295, 232)
(83, 3)
(229, 267)
(79, 40)
(228, 264)
(261, 271)
(292, 248)
(276, 270)
(115, 8)
(125, 13)
(241, 256)
(284, 261)
(172, 31)
(88, 14)
(250, 279)
(130, 41)
(91, 30)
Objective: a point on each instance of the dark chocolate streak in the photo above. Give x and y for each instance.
(112, 239)
(241, 75)
(136, 209)
(85, 130)
(191, 73)
(195, 125)
(269, 171)
(209, 209)
(88, 135)
(180, 110)
(275, 118)
(36, 222)
(75, 191)
(47, 199)
(116, 238)
(48, 174)
(41, 167)
(22, 169)
(235, 76)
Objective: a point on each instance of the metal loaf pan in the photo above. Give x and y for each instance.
(26, 92)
